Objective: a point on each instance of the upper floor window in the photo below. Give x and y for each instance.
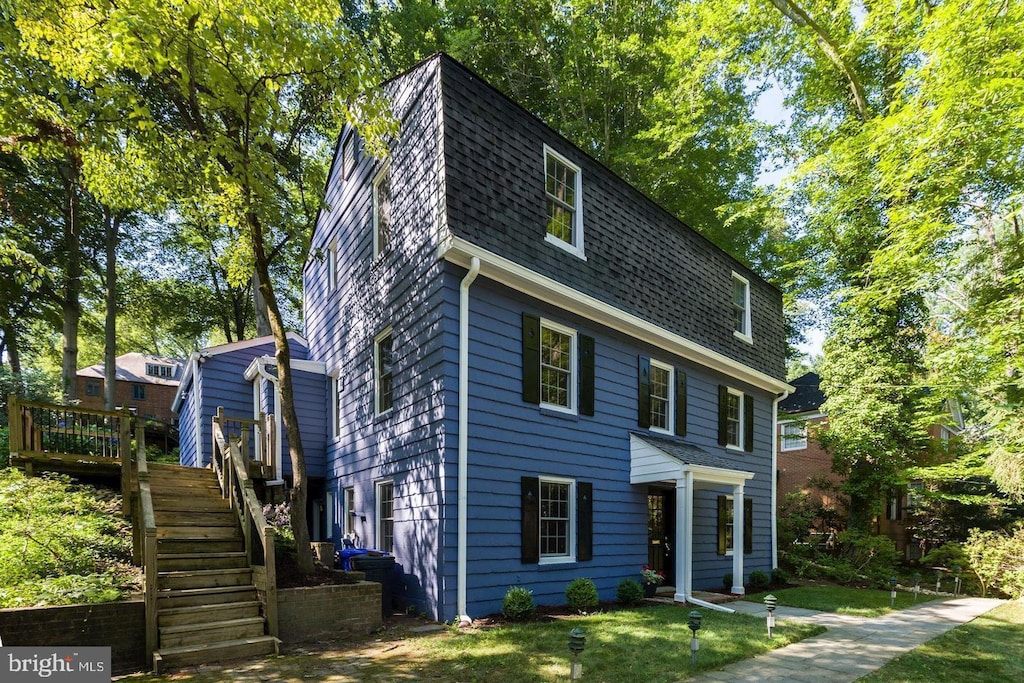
(735, 419)
(741, 307)
(332, 267)
(794, 436)
(382, 362)
(661, 396)
(157, 370)
(557, 365)
(382, 210)
(563, 187)
(92, 388)
(333, 386)
(139, 392)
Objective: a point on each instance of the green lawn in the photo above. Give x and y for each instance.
(648, 644)
(985, 650)
(861, 602)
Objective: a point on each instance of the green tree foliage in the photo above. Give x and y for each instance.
(997, 559)
(60, 543)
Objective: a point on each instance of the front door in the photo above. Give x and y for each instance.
(661, 531)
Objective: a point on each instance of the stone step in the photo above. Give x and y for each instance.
(195, 546)
(211, 632)
(204, 614)
(186, 655)
(204, 578)
(169, 562)
(192, 597)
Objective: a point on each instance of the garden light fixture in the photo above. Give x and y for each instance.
(770, 601)
(892, 594)
(917, 584)
(694, 644)
(577, 641)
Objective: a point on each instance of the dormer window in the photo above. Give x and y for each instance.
(563, 187)
(157, 370)
(741, 307)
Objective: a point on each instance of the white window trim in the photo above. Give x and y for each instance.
(671, 414)
(570, 557)
(378, 526)
(573, 367)
(376, 209)
(782, 435)
(334, 386)
(332, 267)
(349, 502)
(742, 428)
(728, 506)
(576, 248)
(376, 371)
(747, 336)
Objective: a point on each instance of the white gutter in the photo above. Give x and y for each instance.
(775, 476)
(474, 270)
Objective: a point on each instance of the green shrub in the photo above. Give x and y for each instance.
(997, 559)
(946, 555)
(780, 577)
(727, 581)
(758, 580)
(5, 447)
(581, 595)
(629, 592)
(518, 603)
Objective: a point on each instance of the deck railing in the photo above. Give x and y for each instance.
(231, 464)
(48, 433)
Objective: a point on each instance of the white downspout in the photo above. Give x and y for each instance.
(775, 476)
(474, 270)
(197, 417)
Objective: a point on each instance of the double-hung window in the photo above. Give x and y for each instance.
(735, 419)
(383, 360)
(557, 520)
(741, 307)
(382, 216)
(726, 525)
(794, 436)
(334, 387)
(92, 388)
(563, 187)
(661, 396)
(138, 392)
(557, 366)
(386, 516)
(350, 512)
(332, 267)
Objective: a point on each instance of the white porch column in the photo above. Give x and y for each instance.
(737, 539)
(684, 537)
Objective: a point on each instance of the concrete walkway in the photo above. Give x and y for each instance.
(852, 646)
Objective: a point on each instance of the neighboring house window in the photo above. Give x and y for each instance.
(382, 362)
(139, 392)
(163, 371)
(557, 520)
(92, 388)
(726, 526)
(735, 419)
(382, 210)
(794, 436)
(662, 397)
(334, 389)
(350, 512)
(332, 267)
(386, 516)
(564, 189)
(558, 366)
(349, 152)
(741, 307)
(893, 506)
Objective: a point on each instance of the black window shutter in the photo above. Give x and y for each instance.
(723, 415)
(586, 374)
(748, 422)
(722, 519)
(643, 404)
(530, 527)
(748, 526)
(531, 358)
(584, 521)
(680, 402)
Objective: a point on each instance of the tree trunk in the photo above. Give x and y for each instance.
(288, 415)
(260, 304)
(113, 224)
(70, 304)
(11, 346)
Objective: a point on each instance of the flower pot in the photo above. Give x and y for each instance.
(650, 590)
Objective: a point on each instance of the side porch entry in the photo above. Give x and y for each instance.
(673, 470)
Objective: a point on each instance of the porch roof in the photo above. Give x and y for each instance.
(654, 458)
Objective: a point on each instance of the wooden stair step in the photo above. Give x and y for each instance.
(192, 597)
(175, 546)
(211, 632)
(186, 655)
(197, 532)
(204, 518)
(186, 561)
(203, 614)
(204, 578)
(190, 503)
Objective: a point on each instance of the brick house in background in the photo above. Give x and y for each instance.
(801, 458)
(147, 384)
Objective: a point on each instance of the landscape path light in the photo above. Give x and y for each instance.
(694, 627)
(956, 580)
(770, 601)
(577, 641)
(917, 584)
(892, 593)
(938, 578)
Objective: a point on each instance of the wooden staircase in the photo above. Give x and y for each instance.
(207, 604)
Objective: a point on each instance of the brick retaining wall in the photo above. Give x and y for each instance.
(329, 611)
(119, 625)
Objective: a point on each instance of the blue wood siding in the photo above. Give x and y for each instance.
(186, 428)
(310, 397)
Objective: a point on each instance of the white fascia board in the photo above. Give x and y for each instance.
(717, 475)
(186, 377)
(498, 268)
(313, 366)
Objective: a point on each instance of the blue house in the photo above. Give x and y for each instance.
(535, 373)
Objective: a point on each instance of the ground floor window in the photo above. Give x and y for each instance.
(386, 516)
(726, 527)
(557, 520)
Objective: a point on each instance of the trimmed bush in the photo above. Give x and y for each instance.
(581, 595)
(758, 580)
(780, 577)
(629, 592)
(518, 603)
(727, 582)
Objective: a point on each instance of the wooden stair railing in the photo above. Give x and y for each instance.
(145, 534)
(231, 465)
